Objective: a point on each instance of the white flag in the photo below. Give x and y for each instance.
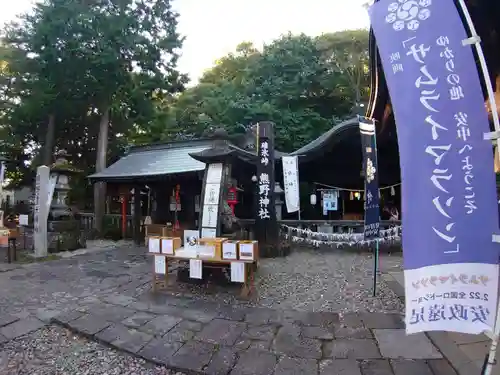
(291, 183)
(2, 173)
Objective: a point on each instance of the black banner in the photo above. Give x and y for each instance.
(266, 210)
(370, 168)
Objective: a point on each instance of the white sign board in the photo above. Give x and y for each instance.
(210, 215)
(167, 246)
(160, 265)
(212, 193)
(208, 232)
(247, 251)
(195, 268)
(154, 245)
(214, 173)
(229, 250)
(237, 272)
(41, 211)
(291, 183)
(23, 220)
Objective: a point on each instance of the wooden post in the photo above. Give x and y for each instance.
(137, 215)
(266, 226)
(124, 198)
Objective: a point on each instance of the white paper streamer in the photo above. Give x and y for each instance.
(339, 240)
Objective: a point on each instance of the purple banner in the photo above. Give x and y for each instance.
(449, 206)
(370, 166)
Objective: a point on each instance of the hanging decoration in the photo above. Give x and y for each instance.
(354, 191)
(232, 197)
(177, 205)
(338, 240)
(313, 199)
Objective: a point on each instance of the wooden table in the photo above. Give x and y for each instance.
(247, 288)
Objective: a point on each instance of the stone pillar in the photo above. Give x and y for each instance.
(137, 215)
(41, 210)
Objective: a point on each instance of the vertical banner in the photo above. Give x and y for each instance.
(291, 183)
(210, 202)
(448, 185)
(370, 165)
(266, 210)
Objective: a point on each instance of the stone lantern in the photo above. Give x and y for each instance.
(61, 220)
(60, 173)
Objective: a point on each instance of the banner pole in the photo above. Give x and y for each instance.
(375, 268)
(490, 362)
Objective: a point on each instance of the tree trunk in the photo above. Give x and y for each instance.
(100, 187)
(49, 141)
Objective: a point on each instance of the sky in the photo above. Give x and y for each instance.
(213, 28)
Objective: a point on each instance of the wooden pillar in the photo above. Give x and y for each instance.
(266, 226)
(137, 215)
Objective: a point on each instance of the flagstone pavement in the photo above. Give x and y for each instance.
(106, 297)
(465, 352)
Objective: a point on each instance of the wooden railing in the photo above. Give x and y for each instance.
(110, 220)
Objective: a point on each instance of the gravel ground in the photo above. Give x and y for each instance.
(311, 281)
(326, 281)
(56, 351)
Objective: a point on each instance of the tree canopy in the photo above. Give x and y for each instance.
(303, 84)
(69, 70)
(69, 63)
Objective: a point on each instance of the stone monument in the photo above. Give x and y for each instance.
(4, 232)
(41, 210)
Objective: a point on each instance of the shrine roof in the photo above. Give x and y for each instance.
(228, 151)
(326, 141)
(155, 160)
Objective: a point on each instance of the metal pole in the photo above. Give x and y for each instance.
(496, 121)
(375, 267)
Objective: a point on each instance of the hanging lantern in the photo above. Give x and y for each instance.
(351, 196)
(393, 191)
(232, 197)
(314, 199)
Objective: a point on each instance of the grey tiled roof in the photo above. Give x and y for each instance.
(336, 134)
(154, 162)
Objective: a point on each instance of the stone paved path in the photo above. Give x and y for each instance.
(106, 298)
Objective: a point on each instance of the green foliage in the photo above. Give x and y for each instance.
(303, 84)
(74, 59)
(71, 60)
